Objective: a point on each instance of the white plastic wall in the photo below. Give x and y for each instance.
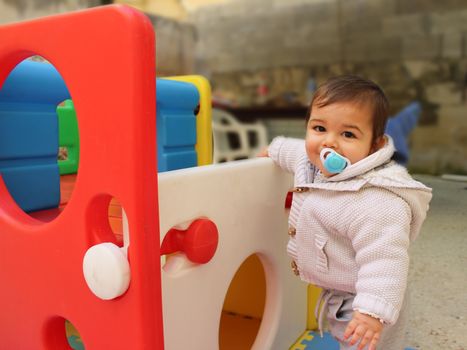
(245, 199)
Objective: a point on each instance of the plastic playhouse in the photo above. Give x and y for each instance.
(124, 244)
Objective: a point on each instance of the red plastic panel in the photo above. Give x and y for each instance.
(106, 57)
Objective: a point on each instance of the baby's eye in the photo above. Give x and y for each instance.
(348, 134)
(319, 128)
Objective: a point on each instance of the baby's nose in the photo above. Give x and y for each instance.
(330, 141)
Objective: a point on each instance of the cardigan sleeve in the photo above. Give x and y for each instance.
(380, 238)
(285, 152)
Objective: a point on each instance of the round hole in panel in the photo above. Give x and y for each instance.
(104, 221)
(73, 337)
(243, 307)
(59, 333)
(39, 148)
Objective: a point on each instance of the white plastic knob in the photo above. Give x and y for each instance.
(106, 271)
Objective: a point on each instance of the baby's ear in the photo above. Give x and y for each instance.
(378, 144)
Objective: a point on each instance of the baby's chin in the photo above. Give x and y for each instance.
(325, 173)
(322, 169)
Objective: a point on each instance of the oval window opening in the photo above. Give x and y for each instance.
(39, 147)
(243, 308)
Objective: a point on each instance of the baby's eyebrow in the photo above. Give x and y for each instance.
(317, 120)
(351, 126)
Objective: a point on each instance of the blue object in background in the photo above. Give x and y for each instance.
(29, 134)
(176, 124)
(399, 127)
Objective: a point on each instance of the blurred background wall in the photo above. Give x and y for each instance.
(268, 56)
(416, 50)
(16, 10)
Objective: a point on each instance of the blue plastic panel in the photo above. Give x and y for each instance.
(29, 134)
(176, 124)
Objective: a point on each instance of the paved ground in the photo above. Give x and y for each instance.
(439, 271)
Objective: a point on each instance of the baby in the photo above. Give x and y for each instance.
(353, 215)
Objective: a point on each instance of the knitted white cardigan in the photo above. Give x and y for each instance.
(353, 229)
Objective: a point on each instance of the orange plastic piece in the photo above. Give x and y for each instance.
(198, 242)
(103, 54)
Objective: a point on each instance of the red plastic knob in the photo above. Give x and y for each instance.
(288, 200)
(198, 242)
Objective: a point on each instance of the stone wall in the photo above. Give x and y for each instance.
(416, 50)
(175, 46)
(18, 10)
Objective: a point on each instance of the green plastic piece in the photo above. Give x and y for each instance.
(75, 343)
(68, 137)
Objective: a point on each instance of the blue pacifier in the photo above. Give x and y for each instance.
(332, 161)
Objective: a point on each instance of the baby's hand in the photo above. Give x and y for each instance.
(363, 327)
(263, 153)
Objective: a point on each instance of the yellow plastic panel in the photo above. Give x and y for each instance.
(313, 295)
(204, 123)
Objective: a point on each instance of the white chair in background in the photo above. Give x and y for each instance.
(234, 140)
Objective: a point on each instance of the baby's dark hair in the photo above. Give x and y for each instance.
(352, 88)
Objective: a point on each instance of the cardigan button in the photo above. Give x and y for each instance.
(300, 189)
(294, 266)
(292, 232)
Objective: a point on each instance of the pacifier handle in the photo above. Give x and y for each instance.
(325, 153)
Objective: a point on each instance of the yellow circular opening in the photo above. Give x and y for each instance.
(243, 308)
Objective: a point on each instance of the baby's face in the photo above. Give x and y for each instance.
(345, 127)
